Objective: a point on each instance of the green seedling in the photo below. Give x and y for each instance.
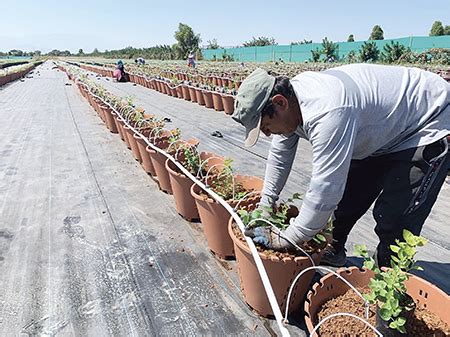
(388, 289)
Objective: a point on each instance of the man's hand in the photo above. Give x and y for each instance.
(268, 238)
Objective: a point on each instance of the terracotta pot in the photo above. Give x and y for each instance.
(281, 273)
(146, 161)
(109, 119)
(217, 101)
(181, 186)
(152, 84)
(135, 148)
(186, 94)
(128, 133)
(192, 94)
(179, 91)
(159, 164)
(224, 82)
(173, 91)
(425, 294)
(214, 216)
(207, 96)
(99, 109)
(228, 104)
(164, 89)
(158, 161)
(119, 126)
(158, 85)
(199, 94)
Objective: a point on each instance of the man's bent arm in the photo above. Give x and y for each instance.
(332, 138)
(279, 163)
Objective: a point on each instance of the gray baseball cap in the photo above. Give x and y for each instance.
(252, 96)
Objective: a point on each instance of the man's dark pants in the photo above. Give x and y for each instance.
(404, 186)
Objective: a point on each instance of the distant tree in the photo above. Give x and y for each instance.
(37, 53)
(187, 40)
(81, 52)
(330, 50)
(315, 55)
(369, 52)
(447, 30)
(437, 29)
(351, 38)
(95, 52)
(393, 52)
(212, 44)
(15, 52)
(351, 57)
(305, 41)
(54, 52)
(260, 41)
(65, 53)
(377, 33)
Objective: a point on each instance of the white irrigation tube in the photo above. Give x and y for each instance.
(244, 197)
(366, 303)
(259, 264)
(344, 314)
(195, 150)
(199, 173)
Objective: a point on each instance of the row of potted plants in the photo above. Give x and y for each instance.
(221, 74)
(217, 97)
(138, 130)
(192, 202)
(14, 73)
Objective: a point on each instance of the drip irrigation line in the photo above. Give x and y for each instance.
(259, 264)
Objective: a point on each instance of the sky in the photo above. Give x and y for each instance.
(70, 25)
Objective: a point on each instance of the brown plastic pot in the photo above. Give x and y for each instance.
(200, 99)
(214, 216)
(119, 125)
(128, 135)
(135, 148)
(173, 91)
(146, 161)
(192, 94)
(179, 91)
(186, 94)
(425, 294)
(217, 101)
(109, 119)
(159, 164)
(207, 96)
(228, 104)
(281, 273)
(181, 186)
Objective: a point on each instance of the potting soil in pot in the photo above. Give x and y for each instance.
(424, 323)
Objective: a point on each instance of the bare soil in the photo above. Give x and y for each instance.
(424, 323)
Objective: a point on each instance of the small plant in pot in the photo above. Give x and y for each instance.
(279, 217)
(237, 190)
(388, 290)
(281, 266)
